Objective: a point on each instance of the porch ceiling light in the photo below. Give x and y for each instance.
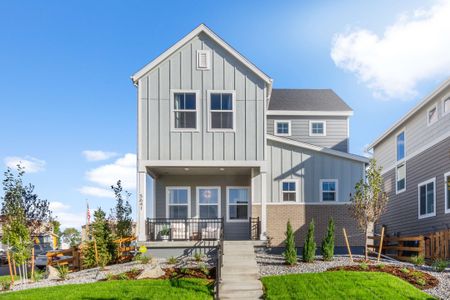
(186, 169)
(221, 169)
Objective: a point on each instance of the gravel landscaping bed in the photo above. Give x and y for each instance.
(272, 264)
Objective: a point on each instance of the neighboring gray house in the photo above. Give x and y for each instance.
(415, 156)
(220, 142)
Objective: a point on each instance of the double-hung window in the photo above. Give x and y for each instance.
(289, 191)
(401, 146)
(401, 178)
(328, 190)
(447, 192)
(432, 115)
(208, 199)
(237, 203)
(427, 198)
(221, 106)
(185, 110)
(178, 201)
(282, 127)
(317, 128)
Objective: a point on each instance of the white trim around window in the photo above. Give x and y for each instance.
(397, 144)
(188, 204)
(209, 111)
(296, 191)
(444, 100)
(228, 188)
(275, 127)
(425, 183)
(198, 204)
(435, 107)
(447, 192)
(398, 191)
(336, 191)
(324, 123)
(173, 110)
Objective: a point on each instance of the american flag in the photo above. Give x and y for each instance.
(88, 214)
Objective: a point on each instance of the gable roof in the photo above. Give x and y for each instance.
(202, 28)
(307, 100)
(415, 109)
(318, 148)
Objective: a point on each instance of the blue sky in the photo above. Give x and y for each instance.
(65, 68)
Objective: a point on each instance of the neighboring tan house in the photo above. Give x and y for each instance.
(220, 142)
(415, 156)
(84, 233)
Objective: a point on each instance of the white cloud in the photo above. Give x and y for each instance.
(31, 164)
(96, 192)
(63, 214)
(97, 155)
(414, 48)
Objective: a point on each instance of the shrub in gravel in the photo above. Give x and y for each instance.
(6, 285)
(404, 270)
(198, 256)
(171, 260)
(439, 265)
(417, 260)
(309, 248)
(381, 266)
(63, 272)
(328, 242)
(290, 252)
(364, 266)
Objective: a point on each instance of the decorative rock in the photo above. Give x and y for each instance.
(151, 272)
(52, 273)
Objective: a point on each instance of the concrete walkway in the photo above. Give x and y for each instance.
(240, 276)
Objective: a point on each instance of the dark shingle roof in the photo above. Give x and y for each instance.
(307, 100)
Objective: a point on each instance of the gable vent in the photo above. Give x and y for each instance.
(203, 59)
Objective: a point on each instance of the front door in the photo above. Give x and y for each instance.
(237, 213)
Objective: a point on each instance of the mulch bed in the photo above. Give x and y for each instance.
(188, 273)
(419, 279)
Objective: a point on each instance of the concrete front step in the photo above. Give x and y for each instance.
(248, 285)
(255, 294)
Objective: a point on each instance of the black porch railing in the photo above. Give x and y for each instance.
(255, 228)
(189, 229)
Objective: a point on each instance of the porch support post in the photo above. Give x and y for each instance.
(263, 235)
(141, 206)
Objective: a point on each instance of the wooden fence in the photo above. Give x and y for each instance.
(73, 259)
(124, 249)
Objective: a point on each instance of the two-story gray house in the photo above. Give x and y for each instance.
(415, 156)
(228, 151)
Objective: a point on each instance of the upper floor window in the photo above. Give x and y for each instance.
(185, 110)
(432, 115)
(221, 110)
(401, 146)
(317, 128)
(427, 198)
(282, 128)
(400, 178)
(328, 190)
(446, 105)
(289, 190)
(447, 192)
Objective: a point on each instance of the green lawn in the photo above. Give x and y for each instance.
(122, 289)
(340, 285)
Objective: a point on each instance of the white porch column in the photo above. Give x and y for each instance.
(141, 206)
(263, 235)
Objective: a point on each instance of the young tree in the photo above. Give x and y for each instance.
(328, 242)
(57, 230)
(309, 249)
(122, 212)
(290, 251)
(71, 236)
(369, 201)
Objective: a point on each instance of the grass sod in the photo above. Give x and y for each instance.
(340, 285)
(122, 289)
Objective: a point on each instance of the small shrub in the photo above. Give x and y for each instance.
(198, 256)
(6, 285)
(417, 275)
(204, 269)
(417, 260)
(328, 242)
(172, 260)
(309, 249)
(290, 252)
(63, 272)
(145, 259)
(421, 281)
(404, 270)
(109, 277)
(122, 276)
(381, 266)
(439, 265)
(38, 275)
(364, 266)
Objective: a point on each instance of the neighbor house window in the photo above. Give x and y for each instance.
(178, 199)
(328, 190)
(446, 105)
(208, 199)
(282, 128)
(184, 108)
(401, 178)
(432, 115)
(447, 192)
(221, 111)
(317, 128)
(427, 198)
(289, 190)
(237, 203)
(401, 146)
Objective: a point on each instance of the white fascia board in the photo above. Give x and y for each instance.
(202, 163)
(309, 113)
(415, 109)
(201, 28)
(318, 149)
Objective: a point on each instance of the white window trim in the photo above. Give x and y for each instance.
(233, 95)
(447, 209)
(228, 203)
(324, 127)
(197, 197)
(433, 180)
(208, 59)
(275, 124)
(172, 111)
(168, 189)
(434, 106)
(297, 190)
(336, 181)
(443, 104)
(402, 163)
(404, 145)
